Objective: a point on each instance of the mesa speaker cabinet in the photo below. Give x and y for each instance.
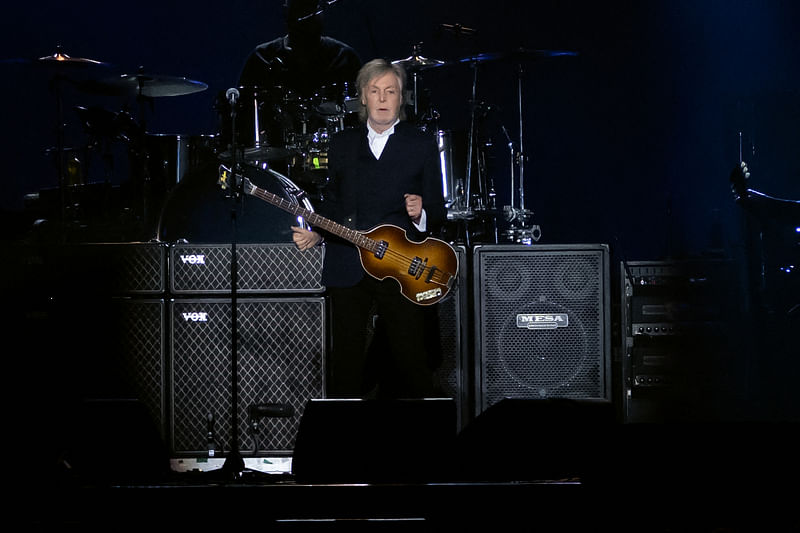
(280, 359)
(542, 322)
(262, 269)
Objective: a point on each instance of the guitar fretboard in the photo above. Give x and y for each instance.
(351, 235)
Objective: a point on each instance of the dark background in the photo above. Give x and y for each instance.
(630, 143)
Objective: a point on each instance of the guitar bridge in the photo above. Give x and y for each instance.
(429, 277)
(380, 250)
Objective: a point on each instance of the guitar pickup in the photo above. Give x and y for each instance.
(417, 267)
(380, 250)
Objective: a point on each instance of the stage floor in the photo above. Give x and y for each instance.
(666, 478)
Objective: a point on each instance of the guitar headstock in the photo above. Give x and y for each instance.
(738, 178)
(226, 180)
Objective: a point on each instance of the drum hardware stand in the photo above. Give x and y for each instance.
(521, 229)
(61, 174)
(471, 140)
(140, 155)
(414, 64)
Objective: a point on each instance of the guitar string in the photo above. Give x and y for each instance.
(399, 259)
(437, 276)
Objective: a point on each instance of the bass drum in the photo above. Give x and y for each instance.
(171, 156)
(199, 211)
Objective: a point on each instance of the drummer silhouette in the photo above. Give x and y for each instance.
(304, 60)
(301, 89)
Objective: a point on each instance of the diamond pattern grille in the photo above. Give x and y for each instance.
(262, 268)
(141, 341)
(280, 360)
(119, 268)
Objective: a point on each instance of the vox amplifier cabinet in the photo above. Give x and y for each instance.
(280, 362)
(139, 342)
(262, 269)
(110, 268)
(542, 324)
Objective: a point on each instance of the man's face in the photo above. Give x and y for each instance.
(383, 98)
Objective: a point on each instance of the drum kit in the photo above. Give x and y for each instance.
(471, 197)
(285, 134)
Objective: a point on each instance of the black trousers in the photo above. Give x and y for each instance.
(390, 360)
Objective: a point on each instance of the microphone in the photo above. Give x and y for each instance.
(232, 95)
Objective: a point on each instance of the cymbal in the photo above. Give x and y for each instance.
(62, 63)
(418, 62)
(149, 85)
(60, 58)
(520, 54)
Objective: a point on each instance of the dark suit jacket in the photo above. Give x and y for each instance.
(364, 192)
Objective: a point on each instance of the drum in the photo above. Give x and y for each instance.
(337, 99)
(200, 211)
(310, 164)
(450, 186)
(265, 123)
(171, 156)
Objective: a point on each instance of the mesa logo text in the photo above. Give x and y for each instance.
(542, 320)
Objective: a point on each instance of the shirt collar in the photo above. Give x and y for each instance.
(372, 134)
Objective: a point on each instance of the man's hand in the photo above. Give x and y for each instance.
(305, 239)
(413, 206)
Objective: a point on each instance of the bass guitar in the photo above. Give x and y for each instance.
(426, 271)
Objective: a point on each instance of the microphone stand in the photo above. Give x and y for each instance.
(234, 468)
(234, 463)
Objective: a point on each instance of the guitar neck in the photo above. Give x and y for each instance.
(351, 235)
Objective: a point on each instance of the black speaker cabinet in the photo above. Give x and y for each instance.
(262, 269)
(380, 441)
(110, 268)
(452, 339)
(112, 348)
(549, 438)
(542, 322)
(141, 338)
(280, 359)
